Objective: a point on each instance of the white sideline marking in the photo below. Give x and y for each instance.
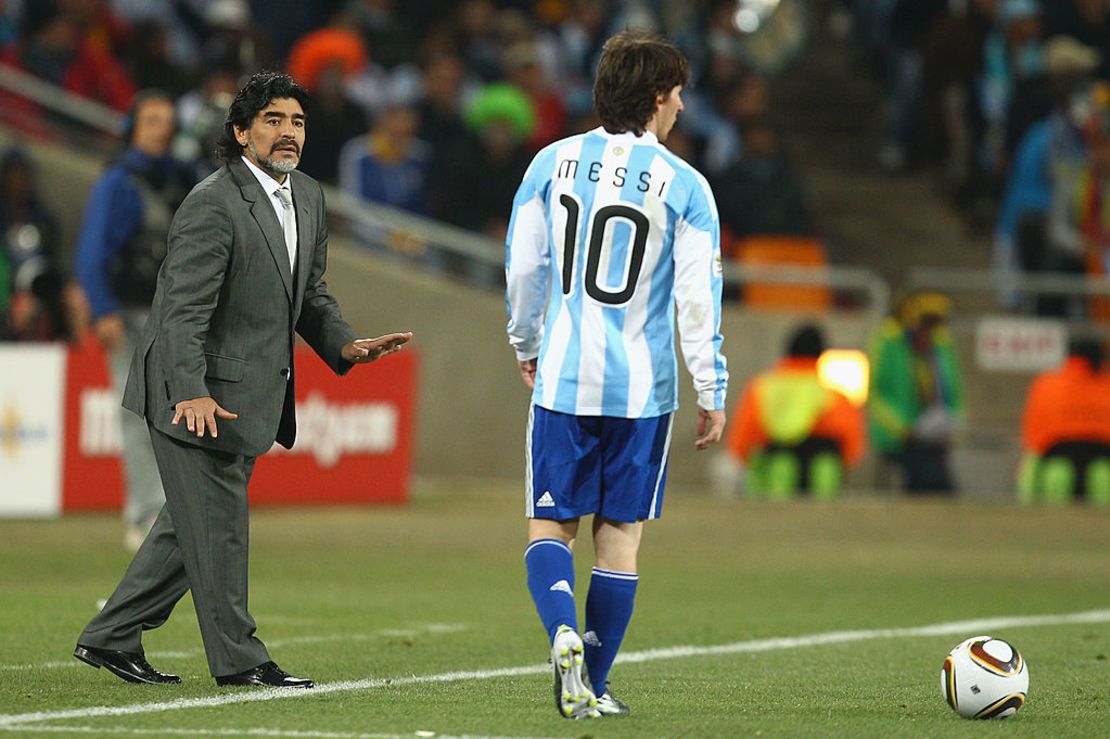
(243, 732)
(982, 625)
(272, 643)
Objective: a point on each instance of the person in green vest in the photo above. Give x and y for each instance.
(916, 394)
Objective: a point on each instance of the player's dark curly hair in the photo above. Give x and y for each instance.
(260, 89)
(636, 66)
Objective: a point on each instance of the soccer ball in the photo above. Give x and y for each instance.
(984, 677)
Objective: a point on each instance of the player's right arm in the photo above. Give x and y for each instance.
(528, 266)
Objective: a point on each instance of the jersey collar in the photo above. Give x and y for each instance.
(647, 137)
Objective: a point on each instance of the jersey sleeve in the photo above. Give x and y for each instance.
(697, 289)
(527, 264)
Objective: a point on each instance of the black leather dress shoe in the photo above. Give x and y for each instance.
(266, 675)
(131, 666)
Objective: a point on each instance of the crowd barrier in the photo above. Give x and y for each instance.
(60, 437)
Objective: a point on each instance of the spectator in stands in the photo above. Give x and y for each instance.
(475, 35)
(522, 66)
(32, 283)
(906, 26)
(335, 120)
(761, 194)
(579, 38)
(227, 30)
(389, 165)
(1087, 21)
(200, 119)
(183, 25)
(916, 394)
(952, 60)
(745, 102)
(367, 83)
(335, 47)
(480, 174)
(1079, 214)
(792, 432)
(1052, 148)
(439, 108)
(1065, 430)
(9, 23)
(119, 252)
(323, 61)
(389, 33)
(56, 49)
(149, 62)
(721, 83)
(1012, 57)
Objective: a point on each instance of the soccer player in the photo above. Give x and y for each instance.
(609, 229)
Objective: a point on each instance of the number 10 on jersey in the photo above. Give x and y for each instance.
(599, 240)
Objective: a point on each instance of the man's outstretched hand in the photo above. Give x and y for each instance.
(364, 351)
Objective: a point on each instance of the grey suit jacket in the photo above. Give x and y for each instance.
(225, 310)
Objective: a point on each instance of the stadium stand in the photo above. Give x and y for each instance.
(824, 105)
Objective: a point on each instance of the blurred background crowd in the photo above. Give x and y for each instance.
(436, 107)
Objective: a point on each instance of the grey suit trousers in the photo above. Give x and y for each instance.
(200, 543)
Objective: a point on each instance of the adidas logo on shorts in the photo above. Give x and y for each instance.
(546, 501)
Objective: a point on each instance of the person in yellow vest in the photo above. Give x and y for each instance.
(793, 433)
(1065, 430)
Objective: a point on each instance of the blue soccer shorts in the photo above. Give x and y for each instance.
(582, 465)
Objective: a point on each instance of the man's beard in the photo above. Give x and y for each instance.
(284, 166)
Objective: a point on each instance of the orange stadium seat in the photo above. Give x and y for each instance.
(794, 251)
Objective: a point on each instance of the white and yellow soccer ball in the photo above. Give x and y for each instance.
(984, 677)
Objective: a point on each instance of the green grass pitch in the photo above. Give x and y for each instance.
(404, 616)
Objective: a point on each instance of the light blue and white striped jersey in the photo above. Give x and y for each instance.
(608, 232)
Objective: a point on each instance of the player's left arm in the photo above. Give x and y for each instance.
(697, 288)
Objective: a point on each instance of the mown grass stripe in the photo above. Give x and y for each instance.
(981, 625)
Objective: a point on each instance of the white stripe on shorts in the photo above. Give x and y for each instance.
(652, 513)
(529, 490)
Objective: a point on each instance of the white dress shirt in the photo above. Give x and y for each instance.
(270, 186)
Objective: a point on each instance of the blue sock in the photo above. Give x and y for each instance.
(608, 611)
(550, 567)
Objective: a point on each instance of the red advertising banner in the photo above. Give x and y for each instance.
(354, 436)
(92, 471)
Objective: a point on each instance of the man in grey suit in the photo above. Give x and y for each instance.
(213, 376)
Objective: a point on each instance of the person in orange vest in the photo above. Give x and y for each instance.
(792, 432)
(1065, 430)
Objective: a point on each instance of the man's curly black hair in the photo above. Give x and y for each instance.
(260, 89)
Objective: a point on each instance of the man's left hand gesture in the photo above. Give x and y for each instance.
(364, 351)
